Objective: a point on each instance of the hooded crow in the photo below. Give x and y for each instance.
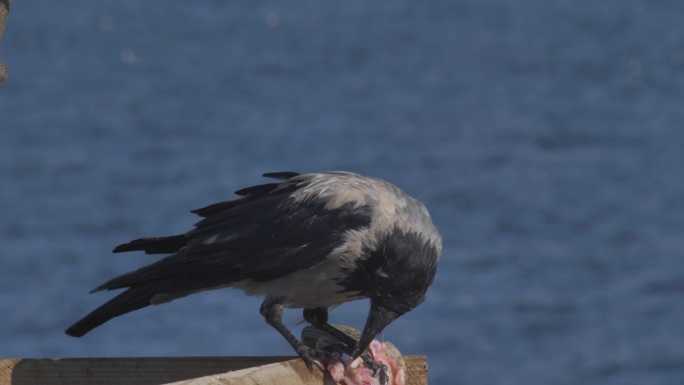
(311, 241)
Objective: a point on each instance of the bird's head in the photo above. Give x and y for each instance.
(395, 275)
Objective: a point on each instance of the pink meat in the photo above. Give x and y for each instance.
(356, 373)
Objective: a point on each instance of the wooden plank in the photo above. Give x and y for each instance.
(162, 370)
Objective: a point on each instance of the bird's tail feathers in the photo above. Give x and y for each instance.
(128, 301)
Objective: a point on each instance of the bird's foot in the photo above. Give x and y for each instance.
(333, 356)
(378, 368)
(307, 355)
(331, 353)
(357, 372)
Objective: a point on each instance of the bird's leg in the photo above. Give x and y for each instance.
(272, 310)
(318, 317)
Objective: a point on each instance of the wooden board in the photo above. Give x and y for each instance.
(162, 370)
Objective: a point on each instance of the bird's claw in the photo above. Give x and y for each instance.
(306, 354)
(378, 368)
(382, 376)
(327, 355)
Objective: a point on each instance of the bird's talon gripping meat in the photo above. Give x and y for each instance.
(376, 367)
(382, 374)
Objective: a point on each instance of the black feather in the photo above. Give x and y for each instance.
(126, 302)
(283, 175)
(258, 190)
(272, 241)
(154, 245)
(246, 194)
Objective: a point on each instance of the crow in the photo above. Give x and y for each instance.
(311, 241)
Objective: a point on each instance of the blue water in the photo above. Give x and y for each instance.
(545, 137)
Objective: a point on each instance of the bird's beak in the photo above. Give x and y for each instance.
(378, 318)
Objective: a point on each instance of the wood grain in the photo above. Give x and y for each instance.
(181, 370)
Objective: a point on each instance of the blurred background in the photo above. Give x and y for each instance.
(545, 137)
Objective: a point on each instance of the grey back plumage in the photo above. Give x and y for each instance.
(391, 208)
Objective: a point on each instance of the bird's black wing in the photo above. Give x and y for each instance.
(264, 235)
